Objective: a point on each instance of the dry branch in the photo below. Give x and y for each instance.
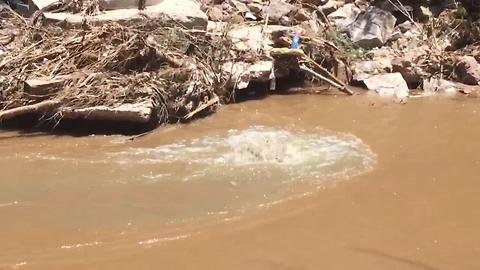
(42, 107)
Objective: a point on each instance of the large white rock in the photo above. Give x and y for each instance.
(372, 28)
(391, 84)
(343, 17)
(433, 85)
(184, 12)
(254, 38)
(243, 73)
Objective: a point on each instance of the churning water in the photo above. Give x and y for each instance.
(259, 151)
(224, 172)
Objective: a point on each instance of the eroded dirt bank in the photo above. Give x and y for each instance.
(415, 210)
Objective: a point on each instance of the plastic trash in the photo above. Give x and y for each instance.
(273, 80)
(295, 41)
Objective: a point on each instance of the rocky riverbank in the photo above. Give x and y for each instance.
(157, 62)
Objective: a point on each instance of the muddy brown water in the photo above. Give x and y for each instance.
(88, 203)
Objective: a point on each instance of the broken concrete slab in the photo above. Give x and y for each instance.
(44, 85)
(137, 112)
(185, 12)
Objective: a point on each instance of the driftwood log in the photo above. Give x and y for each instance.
(41, 107)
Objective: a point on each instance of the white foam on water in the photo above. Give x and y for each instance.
(258, 151)
(91, 244)
(156, 240)
(9, 204)
(261, 151)
(221, 174)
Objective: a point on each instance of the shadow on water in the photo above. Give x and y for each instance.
(406, 261)
(32, 125)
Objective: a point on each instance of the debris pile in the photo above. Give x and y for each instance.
(171, 60)
(109, 66)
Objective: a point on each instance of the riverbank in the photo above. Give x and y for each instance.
(115, 63)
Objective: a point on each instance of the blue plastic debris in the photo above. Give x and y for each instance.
(295, 41)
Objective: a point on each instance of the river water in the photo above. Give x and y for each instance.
(287, 182)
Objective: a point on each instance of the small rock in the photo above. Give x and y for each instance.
(278, 9)
(310, 26)
(255, 8)
(365, 69)
(412, 73)
(344, 16)
(425, 12)
(241, 7)
(216, 27)
(285, 20)
(468, 70)
(302, 15)
(236, 19)
(379, 53)
(331, 6)
(405, 26)
(372, 28)
(391, 84)
(250, 16)
(215, 14)
(396, 35)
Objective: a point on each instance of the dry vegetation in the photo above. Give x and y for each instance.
(110, 65)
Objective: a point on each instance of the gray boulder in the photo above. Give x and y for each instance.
(343, 17)
(468, 70)
(372, 28)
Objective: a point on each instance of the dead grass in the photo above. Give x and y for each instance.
(113, 64)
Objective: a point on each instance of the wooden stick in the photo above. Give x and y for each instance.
(202, 107)
(43, 106)
(341, 87)
(324, 70)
